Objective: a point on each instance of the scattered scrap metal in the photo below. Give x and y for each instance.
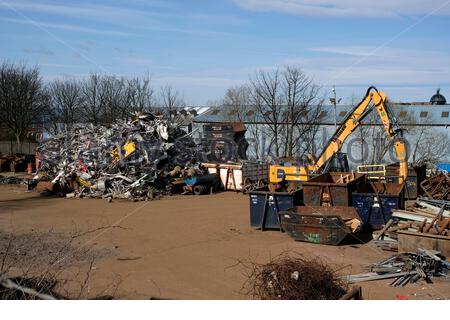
(426, 222)
(12, 180)
(406, 267)
(139, 159)
(437, 187)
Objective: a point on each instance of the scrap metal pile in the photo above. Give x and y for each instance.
(424, 221)
(437, 187)
(405, 268)
(427, 216)
(139, 159)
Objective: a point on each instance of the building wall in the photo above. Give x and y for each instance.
(426, 130)
(363, 146)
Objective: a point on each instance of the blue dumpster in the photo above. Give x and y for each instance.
(265, 205)
(375, 201)
(416, 174)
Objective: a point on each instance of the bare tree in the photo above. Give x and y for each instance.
(427, 144)
(94, 99)
(241, 106)
(375, 145)
(65, 105)
(268, 89)
(431, 146)
(290, 107)
(115, 105)
(237, 100)
(303, 110)
(171, 99)
(105, 98)
(256, 130)
(139, 95)
(23, 99)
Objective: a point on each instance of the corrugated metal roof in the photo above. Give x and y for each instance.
(407, 114)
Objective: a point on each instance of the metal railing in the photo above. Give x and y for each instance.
(373, 171)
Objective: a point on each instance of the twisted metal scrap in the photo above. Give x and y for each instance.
(7, 283)
(84, 155)
(288, 277)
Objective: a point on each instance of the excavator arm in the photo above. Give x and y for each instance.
(354, 120)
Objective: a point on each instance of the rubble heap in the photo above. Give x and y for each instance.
(139, 159)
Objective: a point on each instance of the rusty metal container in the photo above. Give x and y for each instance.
(416, 174)
(332, 189)
(375, 201)
(318, 224)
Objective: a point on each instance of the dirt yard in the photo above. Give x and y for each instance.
(181, 247)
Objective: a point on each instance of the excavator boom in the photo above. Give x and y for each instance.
(354, 119)
(334, 145)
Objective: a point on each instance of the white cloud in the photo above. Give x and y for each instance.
(390, 66)
(62, 26)
(143, 18)
(349, 8)
(80, 10)
(404, 74)
(350, 51)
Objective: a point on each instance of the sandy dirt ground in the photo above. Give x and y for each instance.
(183, 247)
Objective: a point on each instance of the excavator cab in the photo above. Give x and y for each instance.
(339, 163)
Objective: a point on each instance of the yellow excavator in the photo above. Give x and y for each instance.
(297, 174)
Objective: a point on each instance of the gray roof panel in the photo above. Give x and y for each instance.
(407, 114)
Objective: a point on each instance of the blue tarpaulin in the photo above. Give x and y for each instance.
(443, 166)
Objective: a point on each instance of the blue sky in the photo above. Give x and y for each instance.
(202, 47)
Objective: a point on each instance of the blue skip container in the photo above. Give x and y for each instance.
(265, 205)
(375, 201)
